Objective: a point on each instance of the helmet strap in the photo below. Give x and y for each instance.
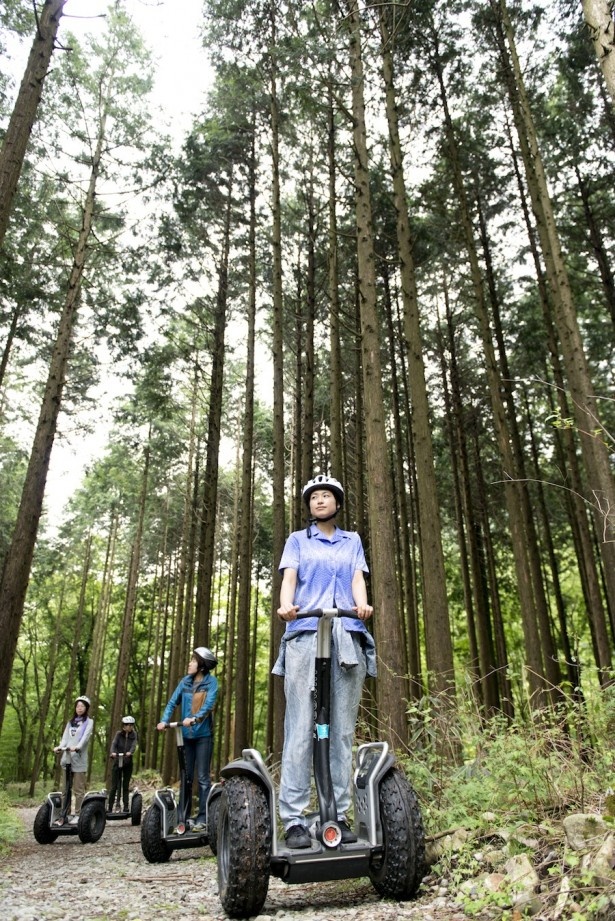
(312, 520)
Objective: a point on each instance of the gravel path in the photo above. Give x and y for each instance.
(112, 880)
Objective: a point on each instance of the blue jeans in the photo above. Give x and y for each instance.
(198, 753)
(346, 687)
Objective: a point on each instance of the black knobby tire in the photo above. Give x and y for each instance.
(244, 847)
(92, 821)
(136, 808)
(397, 873)
(153, 845)
(42, 831)
(213, 812)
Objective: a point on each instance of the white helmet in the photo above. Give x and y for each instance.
(128, 719)
(205, 656)
(84, 700)
(323, 482)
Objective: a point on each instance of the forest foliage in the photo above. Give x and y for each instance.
(447, 352)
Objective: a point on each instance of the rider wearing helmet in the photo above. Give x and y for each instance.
(323, 567)
(197, 693)
(124, 743)
(74, 747)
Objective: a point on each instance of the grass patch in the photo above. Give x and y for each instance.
(11, 826)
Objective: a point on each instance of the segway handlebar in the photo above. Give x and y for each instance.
(326, 612)
(180, 723)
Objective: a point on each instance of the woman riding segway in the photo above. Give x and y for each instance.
(74, 748)
(197, 693)
(122, 751)
(323, 567)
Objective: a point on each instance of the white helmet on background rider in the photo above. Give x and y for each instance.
(84, 700)
(128, 720)
(205, 657)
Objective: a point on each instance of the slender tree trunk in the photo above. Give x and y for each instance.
(244, 592)
(46, 695)
(599, 18)
(584, 403)
(126, 639)
(275, 720)
(438, 641)
(212, 461)
(337, 462)
(18, 561)
(99, 630)
(568, 461)
(533, 650)
(307, 428)
(24, 112)
(597, 244)
(484, 638)
(393, 684)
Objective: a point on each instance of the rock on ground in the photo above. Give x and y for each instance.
(71, 881)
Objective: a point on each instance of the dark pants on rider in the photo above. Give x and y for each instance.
(198, 753)
(120, 779)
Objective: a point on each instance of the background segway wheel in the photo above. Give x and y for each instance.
(244, 847)
(213, 812)
(153, 845)
(397, 873)
(92, 820)
(136, 808)
(42, 831)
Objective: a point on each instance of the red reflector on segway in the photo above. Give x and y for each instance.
(330, 835)
(180, 829)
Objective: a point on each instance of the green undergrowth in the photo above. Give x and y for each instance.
(520, 777)
(528, 769)
(11, 827)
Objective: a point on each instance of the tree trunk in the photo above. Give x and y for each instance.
(393, 684)
(126, 637)
(18, 561)
(584, 403)
(335, 412)
(26, 105)
(599, 19)
(533, 650)
(244, 591)
(210, 480)
(438, 641)
(275, 719)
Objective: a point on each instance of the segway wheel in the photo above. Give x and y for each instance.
(92, 820)
(136, 808)
(398, 871)
(244, 847)
(153, 845)
(213, 813)
(42, 831)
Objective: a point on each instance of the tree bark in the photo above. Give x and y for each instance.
(393, 683)
(18, 561)
(599, 19)
(438, 641)
(24, 112)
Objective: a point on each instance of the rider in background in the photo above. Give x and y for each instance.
(124, 743)
(74, 747)
(197, 693)
(323, 567)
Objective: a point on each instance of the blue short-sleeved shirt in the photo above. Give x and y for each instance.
(325, 568)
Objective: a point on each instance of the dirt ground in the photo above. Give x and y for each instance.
(112, 880)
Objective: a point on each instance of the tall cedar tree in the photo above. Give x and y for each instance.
(20, 124)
